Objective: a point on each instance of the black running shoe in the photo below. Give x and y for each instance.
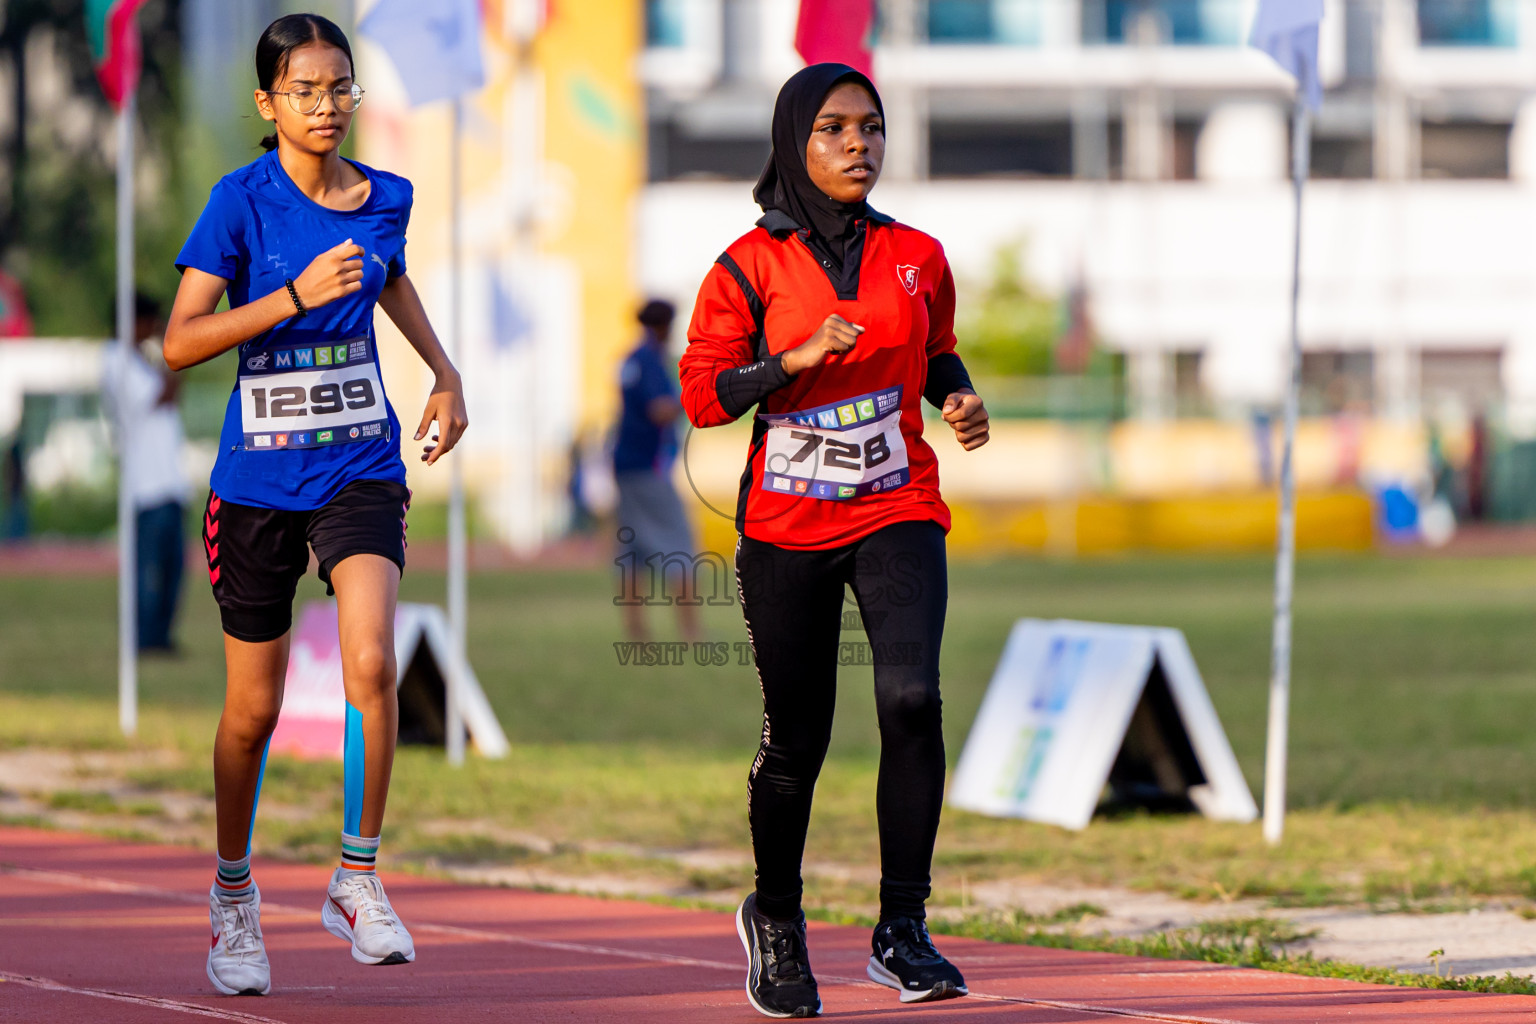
(904, 959)
(779, 980)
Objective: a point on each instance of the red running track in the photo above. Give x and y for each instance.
(99, 930)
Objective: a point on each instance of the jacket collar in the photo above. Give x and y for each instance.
(780, 225)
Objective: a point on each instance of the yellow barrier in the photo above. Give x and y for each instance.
(1325, 521)
(714, 532)
(1336, 521)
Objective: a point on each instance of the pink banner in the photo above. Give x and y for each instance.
(314, 700)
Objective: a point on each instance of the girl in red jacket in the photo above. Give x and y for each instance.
(835, 322)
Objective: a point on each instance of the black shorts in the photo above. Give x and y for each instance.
(257, 555)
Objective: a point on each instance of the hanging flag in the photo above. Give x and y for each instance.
(1287, 31)
(836, 30)
(435, 47)
(511, 317)
(113, 33)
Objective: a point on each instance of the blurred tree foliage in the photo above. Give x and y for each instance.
(1009, 328)
(57, 186)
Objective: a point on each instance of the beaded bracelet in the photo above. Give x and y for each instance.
(293, 293)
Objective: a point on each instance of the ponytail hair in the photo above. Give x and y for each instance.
(280, 39)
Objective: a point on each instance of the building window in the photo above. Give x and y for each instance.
(965, 149)
(1180, 22)
(666, 23)
(1463, 150)
(1469, 22)
(1184, 138)
(1189, 397)
(672, 153)
(1337, 381)
(1468, 379)
(1342, 156)
(1012, 22)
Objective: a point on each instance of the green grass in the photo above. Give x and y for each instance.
(1238, 942)
(1411, 757)
(74, 800)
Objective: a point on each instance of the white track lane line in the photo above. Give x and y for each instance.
(49, 985)
(154, 892)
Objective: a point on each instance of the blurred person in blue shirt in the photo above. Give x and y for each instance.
(652, 524)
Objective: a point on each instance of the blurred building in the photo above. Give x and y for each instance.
(1139, 148)
(551, 160)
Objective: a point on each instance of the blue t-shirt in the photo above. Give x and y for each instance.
(641, 443)
(308, 414)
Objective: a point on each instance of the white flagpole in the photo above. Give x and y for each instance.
(127, 540)
(1285, 560)
(457, 591)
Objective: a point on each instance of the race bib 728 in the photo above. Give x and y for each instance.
(839, 451)
(311, 395)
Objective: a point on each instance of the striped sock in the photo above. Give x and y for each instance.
(233, 881)
(358, 855)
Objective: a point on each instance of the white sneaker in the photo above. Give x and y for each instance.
(237, 959)
(357, 910)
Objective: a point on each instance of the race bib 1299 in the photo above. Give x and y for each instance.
(835, 452)
(311, 395)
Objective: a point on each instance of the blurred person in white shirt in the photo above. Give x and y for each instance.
(137, 387)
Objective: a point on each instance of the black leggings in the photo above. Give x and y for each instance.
(793, 605)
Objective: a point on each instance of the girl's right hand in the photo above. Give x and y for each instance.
(335, 273)
(834, 335)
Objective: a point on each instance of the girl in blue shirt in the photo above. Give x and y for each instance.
(305, 244)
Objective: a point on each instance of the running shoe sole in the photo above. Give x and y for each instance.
(746, 944)
(225, 990)
(943, 990)
(337, 926)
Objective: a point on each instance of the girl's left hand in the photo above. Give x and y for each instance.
(964, 411)
(446, 406)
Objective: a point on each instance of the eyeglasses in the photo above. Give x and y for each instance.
(305, 100)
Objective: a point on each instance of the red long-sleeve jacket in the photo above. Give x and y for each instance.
(837, 451)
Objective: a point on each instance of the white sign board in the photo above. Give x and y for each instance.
(313, 719)
(1076, 706)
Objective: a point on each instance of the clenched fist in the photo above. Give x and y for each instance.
(834, 335)
(335, 273)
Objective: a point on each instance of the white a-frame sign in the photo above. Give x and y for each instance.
(313, 720)
(1078, 706)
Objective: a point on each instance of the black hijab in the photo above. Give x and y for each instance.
(785, 184)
